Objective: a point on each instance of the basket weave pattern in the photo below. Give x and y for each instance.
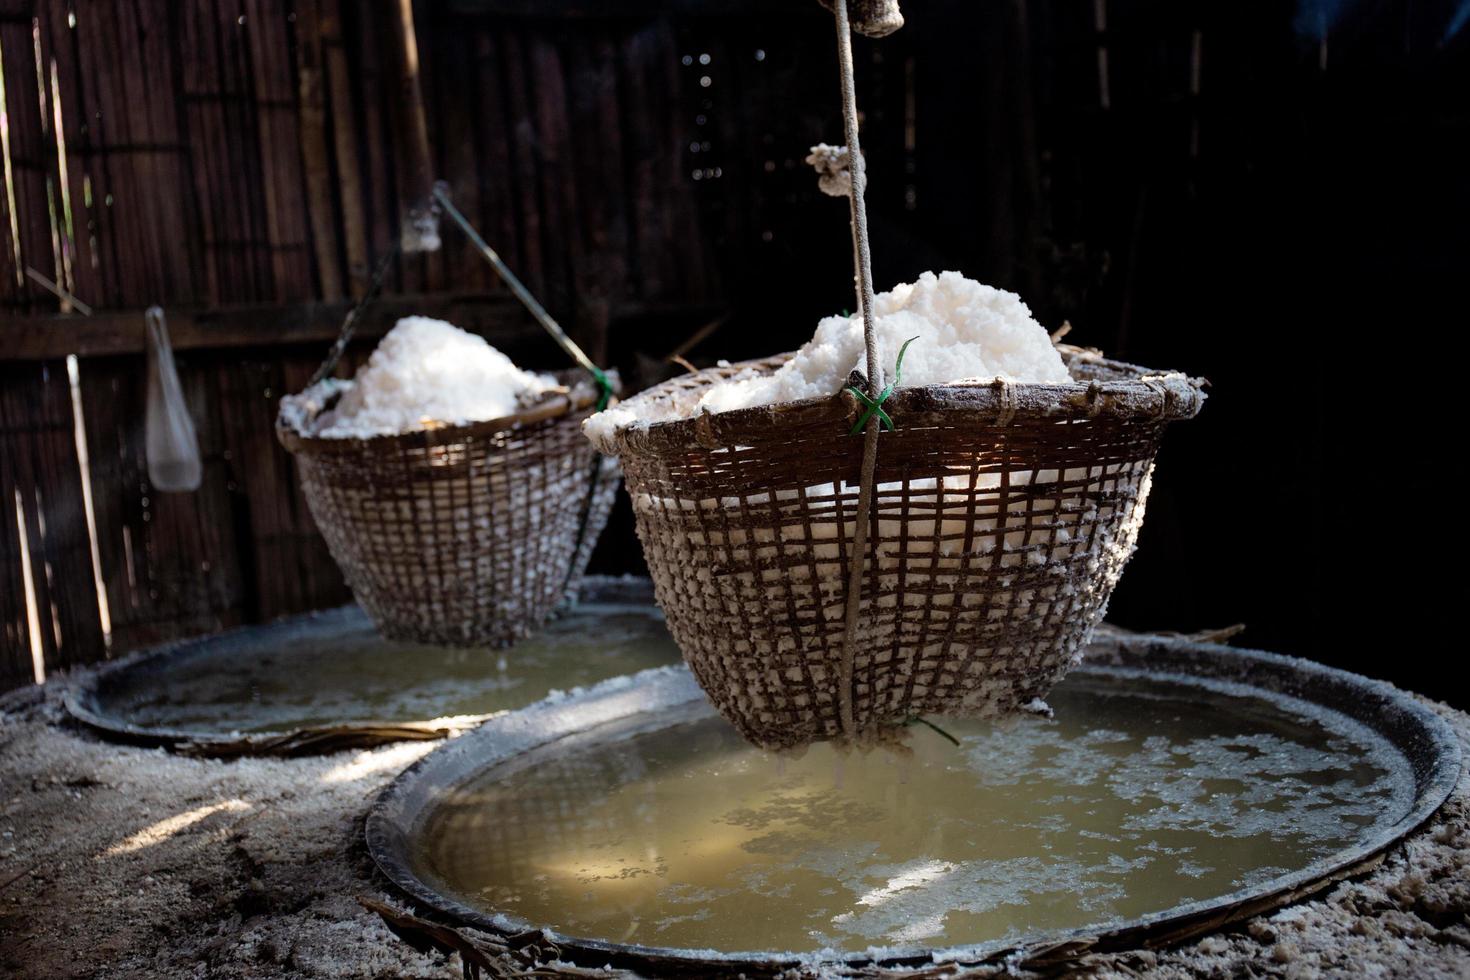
(464, 535)
(1002, 519)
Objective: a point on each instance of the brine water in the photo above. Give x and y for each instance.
(335, 668)
(1138, 796)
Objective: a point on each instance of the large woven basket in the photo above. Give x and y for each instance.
(461, 535)
(1003, 515)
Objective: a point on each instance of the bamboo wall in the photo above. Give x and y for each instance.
(238, 163)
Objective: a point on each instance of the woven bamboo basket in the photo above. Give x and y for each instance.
(1002, 517)
(460, 535)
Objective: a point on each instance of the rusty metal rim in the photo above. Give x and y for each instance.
(670, 695)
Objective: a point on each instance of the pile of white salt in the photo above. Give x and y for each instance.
(428, 372)
(966, 331)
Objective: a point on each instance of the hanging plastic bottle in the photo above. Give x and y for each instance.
(169, 438)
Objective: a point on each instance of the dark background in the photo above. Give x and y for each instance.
(1295, 227)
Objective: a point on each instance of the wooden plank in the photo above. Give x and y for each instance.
(165, 190)
(203, 126)
(248, 391)
(663, 204)
(562, 246)
(344, 142)
(274, 86)
(243, 143)
(65, 547)
(106, 96)
(61, 43)
(460, 161)
(367, 39)
(429, 17)
(498, 190)
(495, 316)
(311, 96)
(20, 393)
(15, 644)
(136, 61)
(168, 559)
(12, 273)
(30, 156)
(16, 666)
(41, 465)
(126, 83)
(596, 136)
(321, 581)
(225, 147)
(415, 167)
(525, 163)
(291, 568)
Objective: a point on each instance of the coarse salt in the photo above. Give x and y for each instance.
(965, 330)
(427, 372)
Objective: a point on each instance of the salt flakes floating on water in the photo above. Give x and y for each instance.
(965, 329)
(427, 371)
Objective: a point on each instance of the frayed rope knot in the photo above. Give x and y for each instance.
(875, 405)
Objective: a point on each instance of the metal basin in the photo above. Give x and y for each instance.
(328, 681)
(1377, 765)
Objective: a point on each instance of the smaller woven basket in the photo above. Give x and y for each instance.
(460, 535)
(1001, 520)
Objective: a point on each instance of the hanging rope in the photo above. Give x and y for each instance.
(349, 322)
(441, 194)
(532, 305)
(858, 556)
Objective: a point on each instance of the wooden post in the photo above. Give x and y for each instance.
(344, 137)
(311, 96)
(416, 175)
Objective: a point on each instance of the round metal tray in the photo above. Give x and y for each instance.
(327, 681)
(1428, 748)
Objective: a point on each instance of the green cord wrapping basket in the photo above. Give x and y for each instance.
(1002, 517)
(458, 535)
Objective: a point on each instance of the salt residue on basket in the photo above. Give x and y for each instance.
(965, 329)
(932, 539)
(423, 371)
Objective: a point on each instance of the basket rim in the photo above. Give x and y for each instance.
(1135, 393)
(579, 395)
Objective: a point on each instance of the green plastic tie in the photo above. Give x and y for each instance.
(875, 405)
(605, 388)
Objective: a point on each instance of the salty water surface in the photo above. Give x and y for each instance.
(336, 668)
(1140, 795)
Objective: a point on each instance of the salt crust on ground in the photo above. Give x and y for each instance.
(965, 330)
(430, 370)
(125, 862)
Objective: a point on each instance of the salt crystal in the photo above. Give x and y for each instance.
(427, 372)
(966, 331)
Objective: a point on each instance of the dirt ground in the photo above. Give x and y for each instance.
(126, 862)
